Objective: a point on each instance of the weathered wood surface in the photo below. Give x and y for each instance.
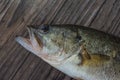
(18, 64)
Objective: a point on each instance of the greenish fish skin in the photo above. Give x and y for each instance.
(78, 51)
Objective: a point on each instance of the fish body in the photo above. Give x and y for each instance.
(78, 51)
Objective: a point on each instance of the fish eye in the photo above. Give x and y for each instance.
(78, 37)
(44, 28)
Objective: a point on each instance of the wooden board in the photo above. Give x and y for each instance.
(18, 64)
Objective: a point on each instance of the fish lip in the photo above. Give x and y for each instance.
(33, 33)
(31, 43)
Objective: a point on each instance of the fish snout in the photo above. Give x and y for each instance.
(33, 43)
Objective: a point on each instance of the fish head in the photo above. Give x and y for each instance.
(53, 44)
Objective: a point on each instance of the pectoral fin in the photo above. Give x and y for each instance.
(84, 53)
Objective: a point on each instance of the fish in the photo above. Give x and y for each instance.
(78, 51)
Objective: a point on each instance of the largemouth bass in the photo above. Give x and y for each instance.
(78, 51)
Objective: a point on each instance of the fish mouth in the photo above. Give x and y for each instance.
(33, 43)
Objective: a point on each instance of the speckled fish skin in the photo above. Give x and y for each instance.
(80, 52)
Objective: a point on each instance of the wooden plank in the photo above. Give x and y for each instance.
(102, 16)
(18, 64)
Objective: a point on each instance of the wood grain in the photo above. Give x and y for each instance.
(18, 64)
